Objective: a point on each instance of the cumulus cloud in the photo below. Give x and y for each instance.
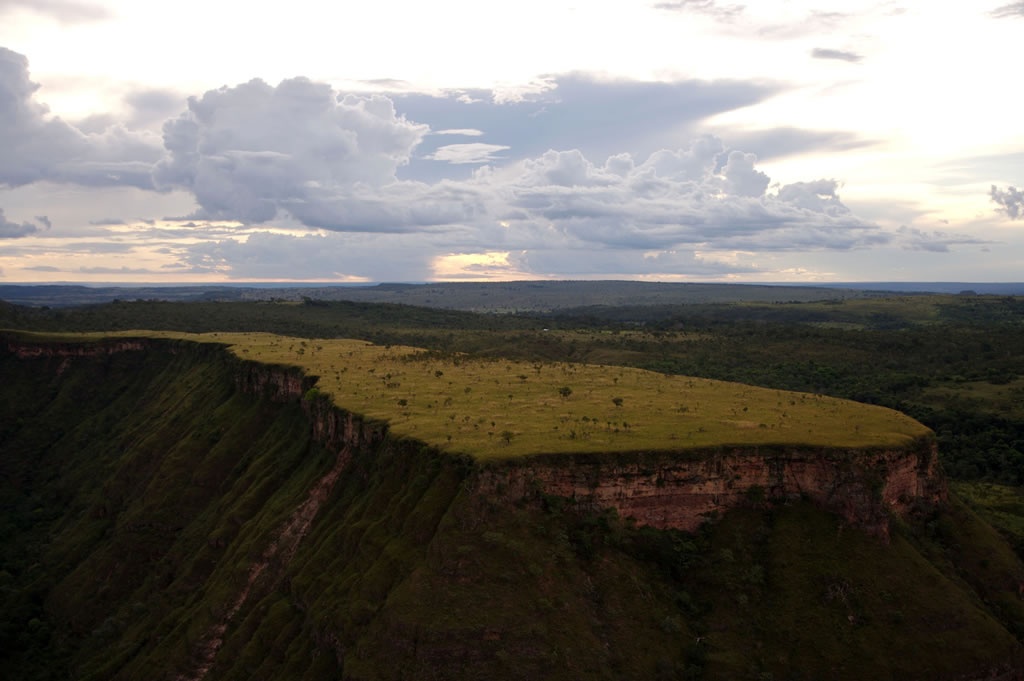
(1010, 199)
(700, 196)
(841, 55)
(38, 146)
(63, 11)
(1014, 9)
(246, 152)
(13, 230)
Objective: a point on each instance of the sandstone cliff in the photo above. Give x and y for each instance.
(685, 489)
(679, 490)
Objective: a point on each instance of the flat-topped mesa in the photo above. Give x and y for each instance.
(677, 485)
(682, 491)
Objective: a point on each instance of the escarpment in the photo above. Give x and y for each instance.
(179, 511)
(666, 489)
(685, 489)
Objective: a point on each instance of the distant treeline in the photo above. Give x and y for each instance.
(956, 363)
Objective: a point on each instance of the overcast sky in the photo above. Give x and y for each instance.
(686, 140)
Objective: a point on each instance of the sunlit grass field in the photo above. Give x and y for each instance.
(502, 408)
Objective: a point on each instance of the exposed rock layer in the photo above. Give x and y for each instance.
(684, 489)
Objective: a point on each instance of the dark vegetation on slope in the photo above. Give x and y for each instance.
(140, 489)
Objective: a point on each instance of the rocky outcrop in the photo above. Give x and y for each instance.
(31, 350)
(685, 489)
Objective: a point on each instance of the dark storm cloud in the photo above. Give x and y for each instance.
(841, 55)
(63, 11)
(38, 146)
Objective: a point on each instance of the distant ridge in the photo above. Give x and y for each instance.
(990, 288)
(499, 297)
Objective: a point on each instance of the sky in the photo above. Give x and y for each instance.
(683, 140)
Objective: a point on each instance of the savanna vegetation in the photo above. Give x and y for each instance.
(137, 496)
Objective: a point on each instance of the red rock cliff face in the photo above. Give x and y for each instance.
(682, 491)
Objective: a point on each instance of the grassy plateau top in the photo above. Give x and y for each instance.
(494, 409)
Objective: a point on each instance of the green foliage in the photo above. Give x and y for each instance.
(140, 489)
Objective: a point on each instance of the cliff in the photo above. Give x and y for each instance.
(684, 490)
(666, 490)
(172, 511)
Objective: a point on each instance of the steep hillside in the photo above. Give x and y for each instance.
(173, 511)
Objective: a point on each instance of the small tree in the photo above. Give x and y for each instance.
(565, 391)
(507, 435)
(617, 401)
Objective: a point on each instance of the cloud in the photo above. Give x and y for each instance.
(773, 143)
(600, 117)
(63, 11)
(38, 146)
(700, 196)
(934, 242)
(248, 151)
(710, 7)
(152, 105)
(13, 230)
(467, 132)
(332, 256)
(841, 55)
(1011, 199)
(1014, 9)
(254, 152)
(477, 152)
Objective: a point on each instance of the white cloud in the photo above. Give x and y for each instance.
(710, 7)
(475, 152)
(248, 151)
(64, 11)
(466, 132)
(685, 199)
(38, 146)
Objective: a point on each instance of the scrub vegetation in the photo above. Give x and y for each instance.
(493, 408)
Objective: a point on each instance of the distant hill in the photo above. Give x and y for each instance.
(513, 296)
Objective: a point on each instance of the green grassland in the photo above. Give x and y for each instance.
(492, 408)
